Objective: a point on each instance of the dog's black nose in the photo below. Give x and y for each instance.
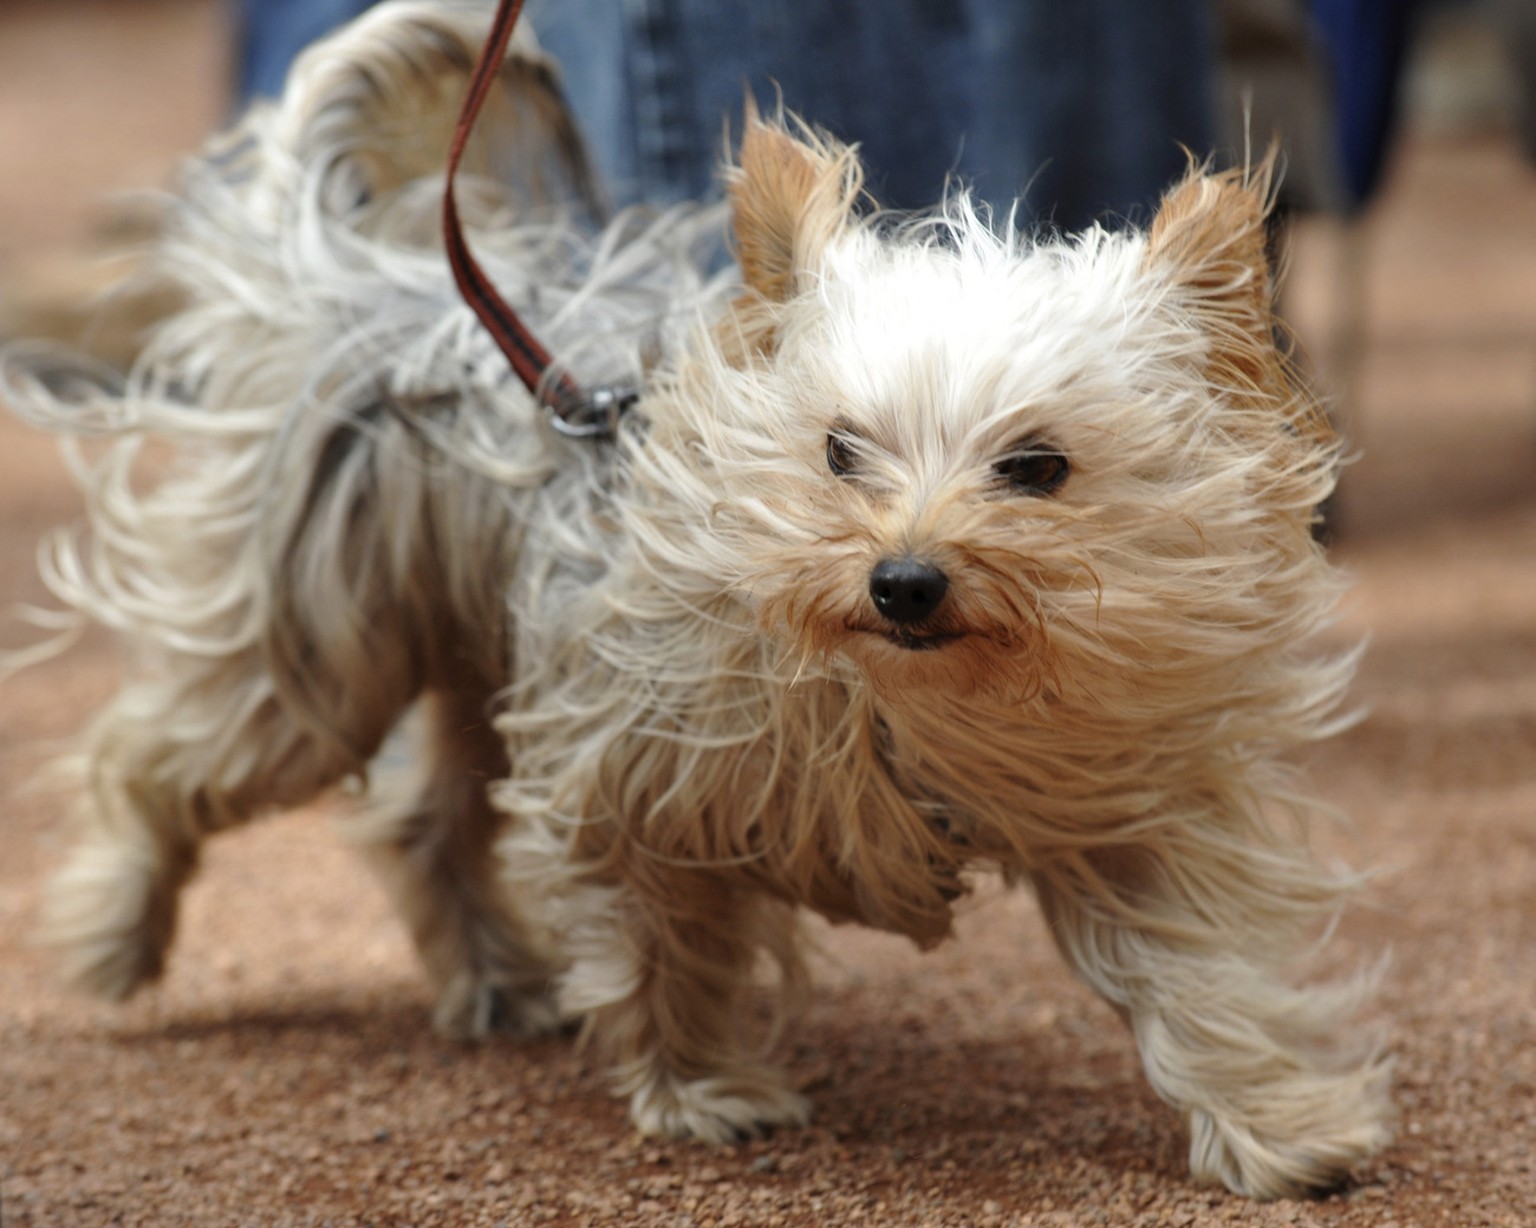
(907, 591)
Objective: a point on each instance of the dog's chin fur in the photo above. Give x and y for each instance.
(663, 655)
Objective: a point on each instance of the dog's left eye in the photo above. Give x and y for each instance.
(1035, 469)
(840, 454)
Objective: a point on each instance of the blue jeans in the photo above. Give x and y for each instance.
(269, 33)
(1078, 106)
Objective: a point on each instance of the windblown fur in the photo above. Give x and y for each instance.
(932, 549)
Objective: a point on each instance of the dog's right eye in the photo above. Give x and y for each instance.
(1034, 469)
(840, 454)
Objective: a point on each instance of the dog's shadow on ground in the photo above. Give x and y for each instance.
(389, 1021)
(973, 1110)
(901, 1101)
(312, 1022)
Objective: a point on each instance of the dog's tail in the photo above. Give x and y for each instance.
(374, 107)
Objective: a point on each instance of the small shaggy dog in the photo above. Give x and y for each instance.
(930, 548)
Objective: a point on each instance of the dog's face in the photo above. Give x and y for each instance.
(970, 463)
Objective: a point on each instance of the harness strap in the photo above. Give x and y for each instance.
(573, 411)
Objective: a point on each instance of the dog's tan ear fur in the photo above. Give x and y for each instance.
(1209, 236)
(791, 192)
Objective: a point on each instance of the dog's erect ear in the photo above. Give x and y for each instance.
(791, 192)
(1209, 237)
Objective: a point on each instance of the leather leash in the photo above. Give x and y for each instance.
(579, 413)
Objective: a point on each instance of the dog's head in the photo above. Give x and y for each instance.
(964, 460)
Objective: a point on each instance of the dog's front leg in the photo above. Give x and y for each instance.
(661, 971)
(1277, 1103)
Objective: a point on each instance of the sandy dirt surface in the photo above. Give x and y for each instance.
(285, 1072)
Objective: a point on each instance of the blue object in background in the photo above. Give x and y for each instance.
(1079, 107)
(270, 33)
(1366, 42)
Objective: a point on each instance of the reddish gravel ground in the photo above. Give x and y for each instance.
(285, 1073)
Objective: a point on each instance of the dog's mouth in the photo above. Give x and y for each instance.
(908, 639)
(918, 641)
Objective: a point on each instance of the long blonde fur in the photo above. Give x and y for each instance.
(664, 652)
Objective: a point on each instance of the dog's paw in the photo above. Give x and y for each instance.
(1316, 1160)
(724, 1108)
(110, 914)
(474, 1008)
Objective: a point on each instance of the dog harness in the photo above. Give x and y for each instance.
(580, 413)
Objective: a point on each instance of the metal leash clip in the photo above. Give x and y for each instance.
(592, 413)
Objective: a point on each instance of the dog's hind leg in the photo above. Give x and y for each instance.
(202, 745)
(436, 856)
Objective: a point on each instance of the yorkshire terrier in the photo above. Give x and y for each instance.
(930, 548)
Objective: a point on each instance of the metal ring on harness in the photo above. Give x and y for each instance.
(594, 415)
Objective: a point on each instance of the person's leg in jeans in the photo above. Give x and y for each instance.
(1081, 108)
(270, 33)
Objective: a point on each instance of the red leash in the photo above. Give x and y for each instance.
(574, 412)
